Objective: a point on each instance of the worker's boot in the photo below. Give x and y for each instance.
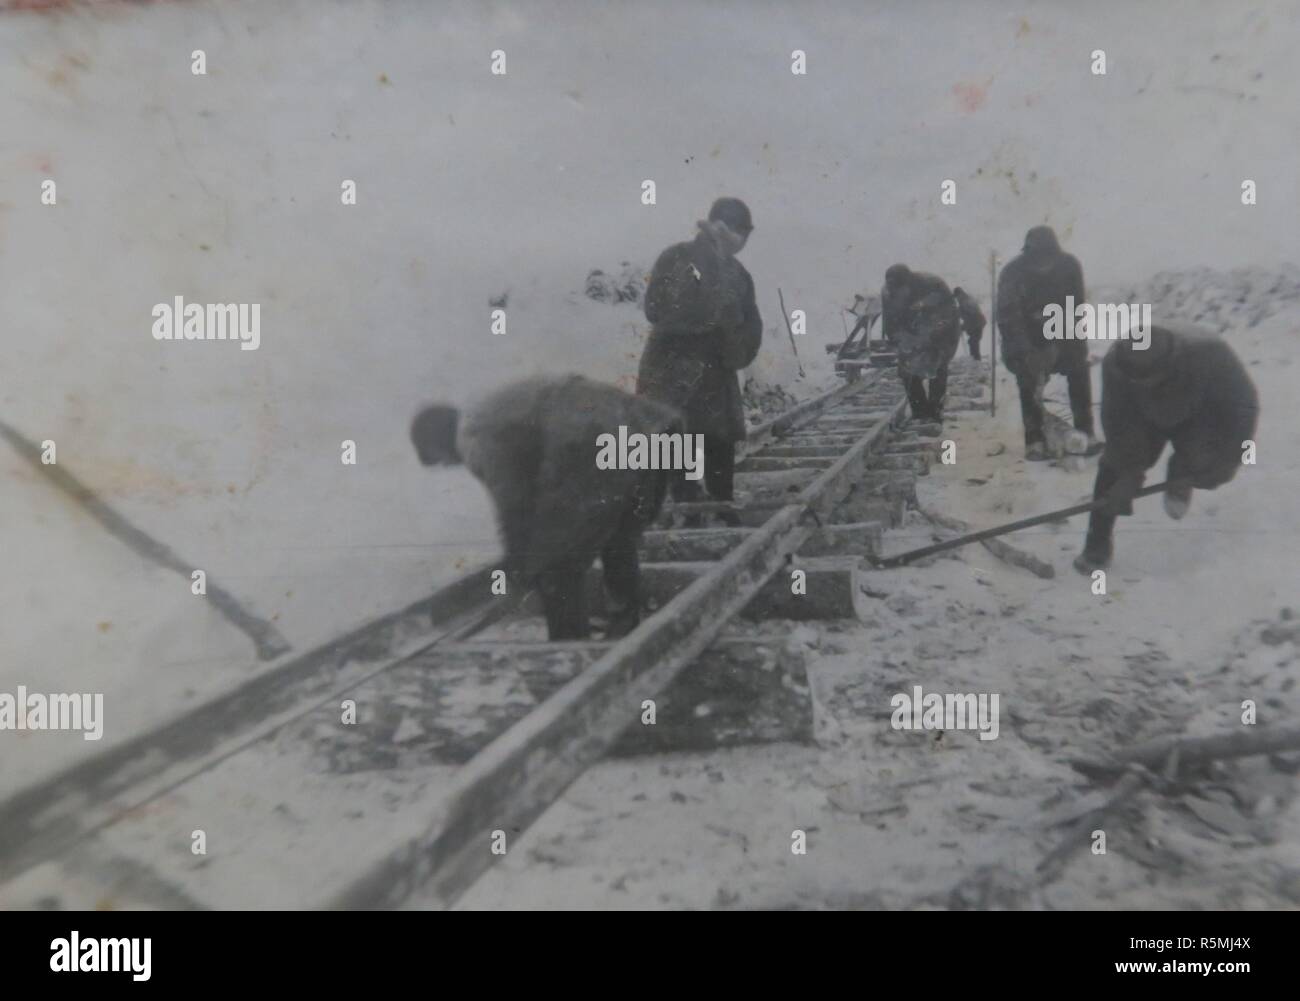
(1098, 546)
(917, 400)
(1095, 556)
(1177, 501)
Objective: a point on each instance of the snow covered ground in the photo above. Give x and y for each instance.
(1200, 615)
(225, 188)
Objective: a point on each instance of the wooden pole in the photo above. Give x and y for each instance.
(789, 330)
(266, 638)
(988, 533)
(1196, 750)
(1004, 551)
(993, 330)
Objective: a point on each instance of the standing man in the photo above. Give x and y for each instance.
(1043, 275)
(706, 328)
(972, 319)
(921, 321)
(533, 445)
(1187, 388)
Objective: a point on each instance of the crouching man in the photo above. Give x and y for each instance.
(533, 445)
(1187, 388)
(922, 323)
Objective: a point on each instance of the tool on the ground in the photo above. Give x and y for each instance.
(902, 559)
(1246, 741)
(789, 330)
(1004, 551)
(266, 638)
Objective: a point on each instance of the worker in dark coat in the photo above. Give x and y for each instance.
(533, 445)
(920, 320)
(1042, 275)
(972, 319)
(1189, 389)
(705, 328)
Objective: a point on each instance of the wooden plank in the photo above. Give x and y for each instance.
(831, 590)
(888, 483)
(917, 464)
(446, 705)
(753, 513)
(772, 487)
(919, 446)
(822, 495)
(660, 583)
(44, 820)
(830, 587)
(1240, 743)
(777, 464)
(513, 780)
(882, 496)
(888, 511)
(882, 359)
(860, 538)
(690, 544)
(859, 425)
(739, 692)
(802, 452)
(798, 415)
(841, 441)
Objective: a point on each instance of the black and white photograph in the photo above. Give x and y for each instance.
(698, 455)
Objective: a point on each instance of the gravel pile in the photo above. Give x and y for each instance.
(765, 399)
(628, 285)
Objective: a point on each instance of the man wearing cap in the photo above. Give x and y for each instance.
(1043, 275)
(1187, 388)
(705, 328)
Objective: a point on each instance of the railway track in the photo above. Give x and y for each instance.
(466, 729)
